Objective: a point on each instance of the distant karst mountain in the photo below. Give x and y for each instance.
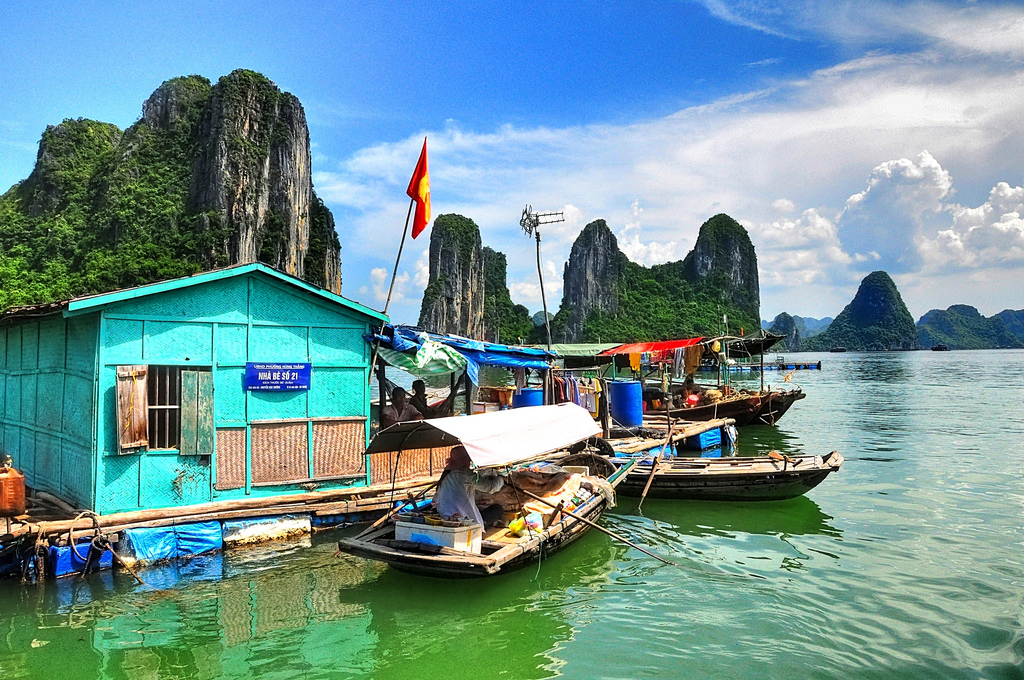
(606, 297)
(784, 324)
(467, 292)
(963, 327)
(876, 319)
(1014, 321)
(807, 325)
(210, 175)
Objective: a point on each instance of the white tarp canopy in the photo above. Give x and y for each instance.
(499, 438)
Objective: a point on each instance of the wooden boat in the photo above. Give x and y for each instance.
(837, 349)
(743, 408)
(746, 408)
(775, 403)
(765, 478)
(499, 440)
(940, 348)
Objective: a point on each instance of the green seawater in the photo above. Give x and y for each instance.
(908, 563)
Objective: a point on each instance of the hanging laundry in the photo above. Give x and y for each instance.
(519, 378)
(692, 359)
(634, 362)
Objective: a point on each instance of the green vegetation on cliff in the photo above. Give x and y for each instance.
(876, 319)
(627, 302)
(657, 303)
(1014, 321)
(105, 209)
(504, 320)
(963, 327)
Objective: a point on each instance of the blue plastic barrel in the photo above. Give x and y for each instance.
(529, 396)
(627, 402)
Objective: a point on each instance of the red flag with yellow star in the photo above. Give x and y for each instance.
(419, 191)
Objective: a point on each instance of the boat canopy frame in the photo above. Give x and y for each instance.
(496, 439)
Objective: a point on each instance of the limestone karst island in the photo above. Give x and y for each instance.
(410, 341)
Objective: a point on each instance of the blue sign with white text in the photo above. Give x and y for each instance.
(277, 377)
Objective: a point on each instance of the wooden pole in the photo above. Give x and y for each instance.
(599, 528)
(391, 513)
(602, 408)
(657, 461)
(391, 288)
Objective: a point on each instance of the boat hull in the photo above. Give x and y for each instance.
(742, 410)
(683, 480)
(775, 405)
(765, 408)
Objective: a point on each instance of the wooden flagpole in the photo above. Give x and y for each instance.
(391, 288)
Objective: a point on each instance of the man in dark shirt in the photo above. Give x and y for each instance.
(399, 411)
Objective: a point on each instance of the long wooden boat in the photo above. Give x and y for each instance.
(501, 551)
(765, 478)
(743, 408)
(746, 408)
(500, 439)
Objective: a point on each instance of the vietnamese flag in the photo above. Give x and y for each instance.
(419, 191)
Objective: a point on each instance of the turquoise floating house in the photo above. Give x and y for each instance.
(236, 383)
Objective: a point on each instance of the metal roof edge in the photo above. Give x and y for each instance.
(90, 303)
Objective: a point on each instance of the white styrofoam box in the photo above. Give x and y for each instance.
(465, 538)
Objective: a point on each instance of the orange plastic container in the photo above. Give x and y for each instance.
(12, 492)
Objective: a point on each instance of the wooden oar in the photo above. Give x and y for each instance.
(775, 455)
(657, 462)
(599, 528)
(395, 510)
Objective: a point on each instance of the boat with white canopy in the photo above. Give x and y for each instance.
(544, 507)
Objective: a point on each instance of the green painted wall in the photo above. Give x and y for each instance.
(220, 326)
(47, 379)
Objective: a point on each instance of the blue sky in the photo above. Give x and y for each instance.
(846, 137)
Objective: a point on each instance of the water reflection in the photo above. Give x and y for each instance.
(794, 517)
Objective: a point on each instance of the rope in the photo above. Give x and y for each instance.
(100, 542)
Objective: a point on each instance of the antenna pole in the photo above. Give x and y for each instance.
(543, 297)
(530, 222)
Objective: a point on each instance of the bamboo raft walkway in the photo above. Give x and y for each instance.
(681, 430)
(49, 517)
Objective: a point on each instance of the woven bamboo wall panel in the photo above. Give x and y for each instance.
(280, 452)
(412, 464)
(338, 447)
(230, 458)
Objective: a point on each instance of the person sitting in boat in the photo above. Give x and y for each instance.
(399, 411)
(419, 400)
(456, 491)
(692, 392)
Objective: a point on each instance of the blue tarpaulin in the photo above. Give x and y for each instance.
(408, 339)
(163, 543)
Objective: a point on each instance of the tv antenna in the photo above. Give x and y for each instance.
(530, 222)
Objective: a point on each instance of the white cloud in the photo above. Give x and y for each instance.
(380, 282)
(783, 205)
(812, 141)
(890, 216)
(965, 28)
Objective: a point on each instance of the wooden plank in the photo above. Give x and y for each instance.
(189, 412)
(204, 414)
(132, 408)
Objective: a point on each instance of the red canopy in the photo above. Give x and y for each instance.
(642, 347)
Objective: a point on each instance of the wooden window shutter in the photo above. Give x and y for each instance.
(197, 432)
(132, 409)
